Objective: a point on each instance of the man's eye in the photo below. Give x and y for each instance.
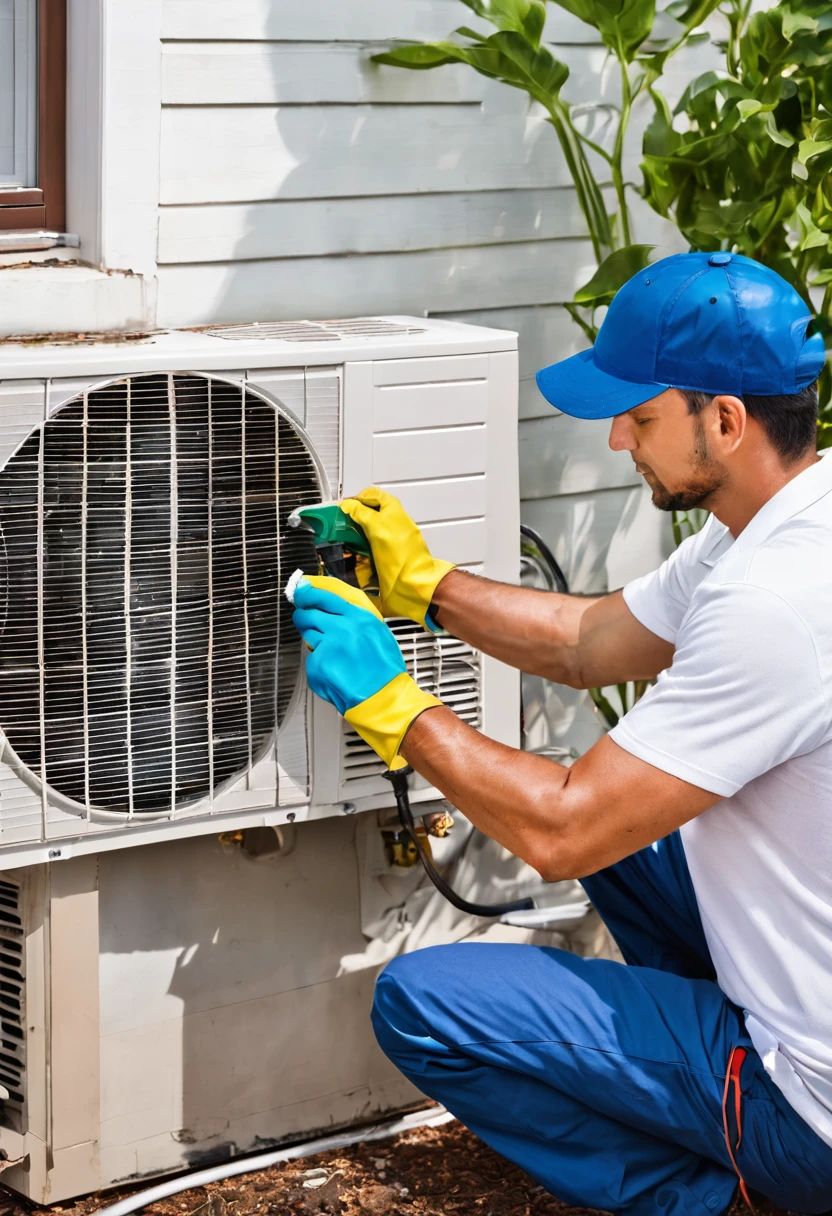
(642, 421)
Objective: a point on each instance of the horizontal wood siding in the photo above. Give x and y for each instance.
(220, 154)
(315, 73)
(434, 280)
(308, 228)
(329, 20)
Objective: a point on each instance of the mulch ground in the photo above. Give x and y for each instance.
(429, 1171)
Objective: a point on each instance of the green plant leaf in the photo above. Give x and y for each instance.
(794, 23)
(749, 106)
(534, 22)
(659, 137)
(418, 56)
(465, 31)
(812, 147)
(523, 16)
(612, 274)
(701, 84)
(538, 71)
(622, 24)
(506, 55)
(691, 13)
(774, 133)
(811, 236)
(478, 7)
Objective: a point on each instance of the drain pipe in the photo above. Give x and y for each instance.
(432, 1117)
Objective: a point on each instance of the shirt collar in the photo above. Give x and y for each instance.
(716, 545)
(796, 496)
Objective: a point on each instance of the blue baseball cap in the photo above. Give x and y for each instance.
(717, 322)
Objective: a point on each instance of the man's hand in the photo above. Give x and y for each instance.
(356, 664)
(407, 573)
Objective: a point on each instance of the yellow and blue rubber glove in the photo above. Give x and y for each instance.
(408, 573)
(355, 663)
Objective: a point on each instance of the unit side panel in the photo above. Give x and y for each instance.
(75, 1040)
(430, 447)
(503, 549)
(501, 684)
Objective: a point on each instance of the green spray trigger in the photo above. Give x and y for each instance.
(329, 525)
(338, 542)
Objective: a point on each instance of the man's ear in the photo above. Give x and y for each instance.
(732, 420)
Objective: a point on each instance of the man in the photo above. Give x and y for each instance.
(653, 1087)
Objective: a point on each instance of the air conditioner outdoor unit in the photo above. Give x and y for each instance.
(164, 1005)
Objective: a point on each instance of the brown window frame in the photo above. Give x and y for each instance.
(44, 206)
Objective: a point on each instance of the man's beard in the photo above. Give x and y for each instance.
(706, 478)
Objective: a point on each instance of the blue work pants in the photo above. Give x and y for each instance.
(604, 1081)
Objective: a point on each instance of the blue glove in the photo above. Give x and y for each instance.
(354, 654)
(355, 663)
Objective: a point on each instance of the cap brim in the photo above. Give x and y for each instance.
(577, 386)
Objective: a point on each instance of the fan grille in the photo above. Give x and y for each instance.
(146, 651)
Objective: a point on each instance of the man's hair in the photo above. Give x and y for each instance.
(789, 419)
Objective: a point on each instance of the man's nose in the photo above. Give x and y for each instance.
(622, 434)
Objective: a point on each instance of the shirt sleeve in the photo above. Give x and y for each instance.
(659, 600)
(744, 693)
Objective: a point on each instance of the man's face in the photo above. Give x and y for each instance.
(670, 449)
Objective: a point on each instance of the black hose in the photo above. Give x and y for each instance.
(558, 577)
(398, 779)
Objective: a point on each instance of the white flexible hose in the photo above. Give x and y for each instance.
(249, 1165)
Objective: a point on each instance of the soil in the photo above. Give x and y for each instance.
(429, 1171)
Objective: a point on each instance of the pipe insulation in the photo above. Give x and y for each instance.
(433, 1117)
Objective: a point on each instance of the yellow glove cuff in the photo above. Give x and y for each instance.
(415, 598)
(382, 720)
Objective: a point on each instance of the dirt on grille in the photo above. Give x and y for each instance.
(429, 1171)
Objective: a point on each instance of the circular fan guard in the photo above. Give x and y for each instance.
(147, 653)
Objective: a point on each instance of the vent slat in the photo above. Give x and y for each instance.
(313, 331)
(12, 1016)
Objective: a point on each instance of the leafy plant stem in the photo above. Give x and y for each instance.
(737, 15)
(590, 199)
(618, 150)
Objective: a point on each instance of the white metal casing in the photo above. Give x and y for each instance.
(427, 409)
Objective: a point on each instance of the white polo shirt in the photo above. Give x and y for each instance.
(745, 711)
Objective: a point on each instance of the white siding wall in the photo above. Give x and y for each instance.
(300, 180)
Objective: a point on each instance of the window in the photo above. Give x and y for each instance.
(32, 113)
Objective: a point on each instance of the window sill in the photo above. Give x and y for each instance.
(24, 240)
(61, 296)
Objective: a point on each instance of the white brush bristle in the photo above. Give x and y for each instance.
(291, 586)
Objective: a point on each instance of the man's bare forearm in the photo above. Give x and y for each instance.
(508, 794)
(565, 822)
(574, 640)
